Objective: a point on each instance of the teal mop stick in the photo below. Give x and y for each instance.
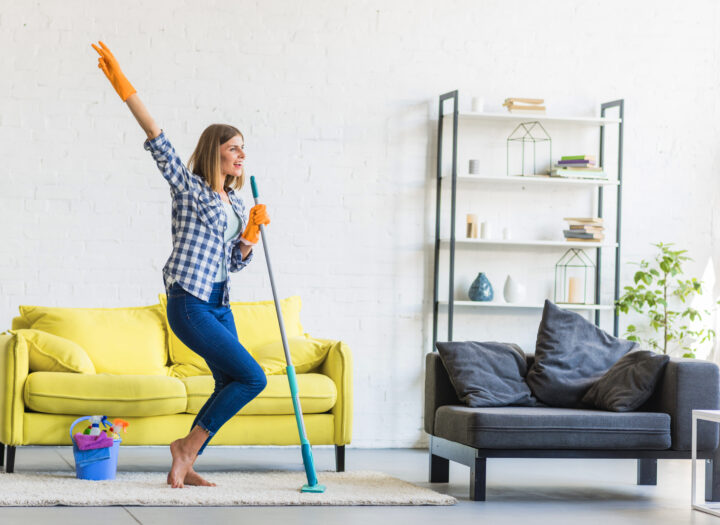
(312, 484)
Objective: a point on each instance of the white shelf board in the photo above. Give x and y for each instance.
(534, 179)
(501, 242)
(494, 304)
(527, 117)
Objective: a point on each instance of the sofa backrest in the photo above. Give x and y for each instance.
(256, 324)
(117, 340)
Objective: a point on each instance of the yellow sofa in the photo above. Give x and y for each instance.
(57, 364)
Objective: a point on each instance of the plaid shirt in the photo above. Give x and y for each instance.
(198, 226)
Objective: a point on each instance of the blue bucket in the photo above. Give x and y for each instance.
(97, 464)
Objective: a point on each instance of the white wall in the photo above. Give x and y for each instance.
(337, 100)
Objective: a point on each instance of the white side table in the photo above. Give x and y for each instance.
(714, 417)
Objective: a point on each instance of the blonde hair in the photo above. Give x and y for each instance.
(205, 160)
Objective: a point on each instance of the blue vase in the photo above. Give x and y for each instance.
(481, 289)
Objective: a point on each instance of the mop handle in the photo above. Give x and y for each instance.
(272, 280)
(290, 368)
(292, 379)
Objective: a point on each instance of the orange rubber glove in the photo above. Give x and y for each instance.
(258, 216)
(111, 68)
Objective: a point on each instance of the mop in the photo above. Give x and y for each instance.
(312, 484)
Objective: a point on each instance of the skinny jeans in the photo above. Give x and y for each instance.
(208, 329)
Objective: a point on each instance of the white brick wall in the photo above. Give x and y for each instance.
(335, 100)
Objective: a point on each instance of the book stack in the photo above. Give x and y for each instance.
(530, 105)
(584, 229)
(582, 166)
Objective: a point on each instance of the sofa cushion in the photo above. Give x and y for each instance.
(256, 324)
(111, 395)
(306, 354)
(487, 374)
(117, 340)
(317, 394)
(571, 354)
(552, 428)
(629, 383)
(51, 353)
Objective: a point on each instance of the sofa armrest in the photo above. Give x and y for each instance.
(439, 390)
(338, 367)
(13, 373)
(687, 385)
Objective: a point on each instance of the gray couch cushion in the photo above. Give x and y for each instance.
(629, 383)
(487, 374)
(571, 354)
(552, 428)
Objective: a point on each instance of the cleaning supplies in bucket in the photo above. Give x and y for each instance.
(96, 451)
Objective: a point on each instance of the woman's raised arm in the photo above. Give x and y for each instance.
(109, 64)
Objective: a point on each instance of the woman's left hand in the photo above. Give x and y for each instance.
(258, 215)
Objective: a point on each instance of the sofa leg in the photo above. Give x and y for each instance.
(340, 458)
(712, 477)
(439, 469)
(10, 466)
(2, 454)
(477, 479)
(647, 471)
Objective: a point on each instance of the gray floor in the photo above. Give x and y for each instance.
(520, 491)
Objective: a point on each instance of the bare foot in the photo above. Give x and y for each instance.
(193, 478)
(183, 460)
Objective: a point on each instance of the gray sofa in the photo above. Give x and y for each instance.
(660, 429)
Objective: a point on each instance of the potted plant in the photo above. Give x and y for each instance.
(661, 294)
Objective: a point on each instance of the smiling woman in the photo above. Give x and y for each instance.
(207, 218)
(218, 150)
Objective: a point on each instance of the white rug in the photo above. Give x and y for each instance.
(233, 488)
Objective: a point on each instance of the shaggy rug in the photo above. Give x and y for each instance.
(233, 488)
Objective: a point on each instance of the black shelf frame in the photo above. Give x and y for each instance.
(454, 96)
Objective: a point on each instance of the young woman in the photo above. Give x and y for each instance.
(207, 218)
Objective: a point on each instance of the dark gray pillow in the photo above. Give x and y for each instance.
(629, 383)
(487, 374)
(571, 354)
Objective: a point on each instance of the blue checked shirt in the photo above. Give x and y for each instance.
(198, 226)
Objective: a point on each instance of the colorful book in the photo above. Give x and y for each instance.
(570, 239)
(515, 107)
(576, 162)
(575, 234)
(578, 157)
(509, 101)
(587, 173)
(586, 228)
(592, 221)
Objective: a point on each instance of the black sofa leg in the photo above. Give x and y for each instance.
(647, 471)
(10, 466)
(712, 477)
(439, 469)
(477, 479)
(2, 454)
(340, 458)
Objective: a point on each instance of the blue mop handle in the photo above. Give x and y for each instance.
(292, 379)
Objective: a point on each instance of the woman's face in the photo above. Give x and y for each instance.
(232, 156)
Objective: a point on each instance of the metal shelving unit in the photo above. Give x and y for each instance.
(598, 184)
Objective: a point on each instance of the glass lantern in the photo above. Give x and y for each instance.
(533, 133)
(574, 278)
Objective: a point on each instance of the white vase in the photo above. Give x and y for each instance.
(513, 291)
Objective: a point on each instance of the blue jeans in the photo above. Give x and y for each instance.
(208, 329)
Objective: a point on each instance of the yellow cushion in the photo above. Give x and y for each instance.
(51, 353)
(256, 324)
(306, 354)
(317, 394)
(117, 340)
(119, 395)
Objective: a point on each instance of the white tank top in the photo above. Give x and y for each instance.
(232, 230)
